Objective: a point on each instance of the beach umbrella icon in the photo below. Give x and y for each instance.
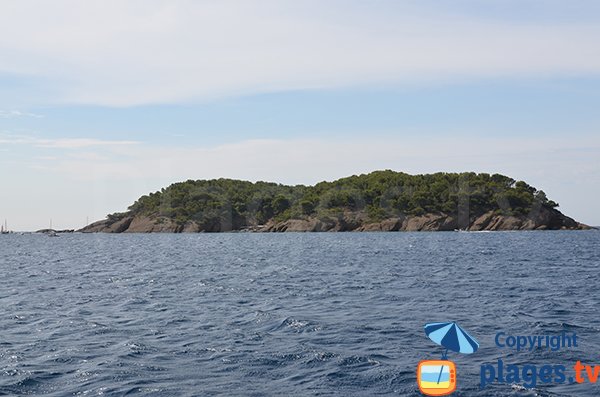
(452, 337)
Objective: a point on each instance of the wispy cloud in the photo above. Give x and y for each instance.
(13, 114)
(112, 180)
(62, 143)
(570, 178)
(312, 160)
(79, 143)
(127, 54)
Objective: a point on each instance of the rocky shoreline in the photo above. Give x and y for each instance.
(543, 219)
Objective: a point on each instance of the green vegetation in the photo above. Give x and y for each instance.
(380, 195)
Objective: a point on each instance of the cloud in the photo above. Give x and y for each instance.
(569, 172)
(12, 114)
(110, 179)
(79, 143)
(62, 143)
(123, 53)
(312, 160)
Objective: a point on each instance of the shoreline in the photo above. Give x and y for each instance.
(544, 219)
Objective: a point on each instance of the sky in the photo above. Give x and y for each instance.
(104, 101)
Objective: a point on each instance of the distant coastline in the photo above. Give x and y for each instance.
(379, 201)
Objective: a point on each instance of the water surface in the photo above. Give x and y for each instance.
(331, 314)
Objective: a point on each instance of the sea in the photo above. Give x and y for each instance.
(291, 314)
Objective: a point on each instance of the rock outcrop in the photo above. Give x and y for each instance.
(540, 219)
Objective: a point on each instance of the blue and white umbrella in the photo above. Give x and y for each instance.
(452, 337)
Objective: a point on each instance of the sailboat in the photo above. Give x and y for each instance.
(4, 229)
(51, 232)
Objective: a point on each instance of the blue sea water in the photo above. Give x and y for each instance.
(327, 314)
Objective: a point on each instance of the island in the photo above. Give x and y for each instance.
(379, 201)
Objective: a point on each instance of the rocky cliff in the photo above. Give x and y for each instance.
(543, 219)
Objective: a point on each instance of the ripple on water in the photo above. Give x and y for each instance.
(283, 314)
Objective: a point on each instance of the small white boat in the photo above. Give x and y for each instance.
(4, 228)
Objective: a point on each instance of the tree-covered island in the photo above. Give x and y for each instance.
(378, 201)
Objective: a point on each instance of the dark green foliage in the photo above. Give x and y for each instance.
(379, 194)
(117, 216)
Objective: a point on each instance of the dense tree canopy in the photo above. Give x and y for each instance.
(380, 194)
